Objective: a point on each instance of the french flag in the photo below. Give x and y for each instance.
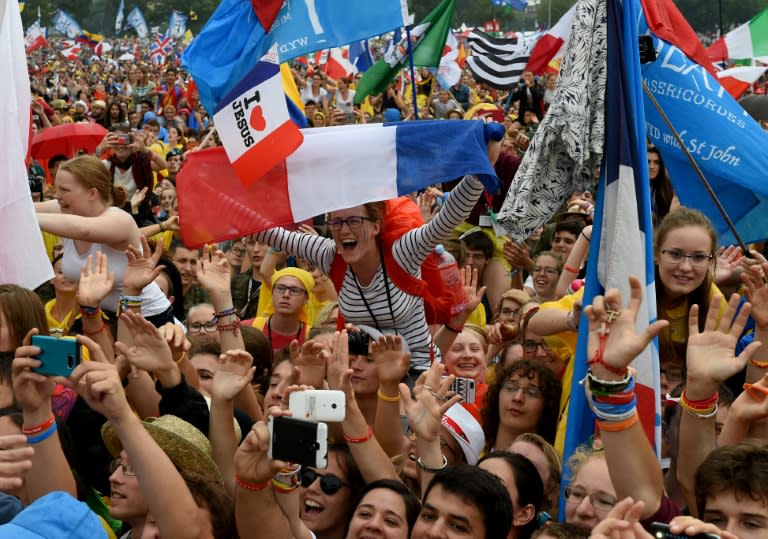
(334, 168)
(254, 123)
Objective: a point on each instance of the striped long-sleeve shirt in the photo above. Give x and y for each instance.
(406, 312)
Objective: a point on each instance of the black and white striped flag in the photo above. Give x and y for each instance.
(499, 72)
(484, 44)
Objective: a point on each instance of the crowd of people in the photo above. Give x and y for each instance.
(454, 425)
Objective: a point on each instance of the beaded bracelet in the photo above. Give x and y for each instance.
(37, 429)
(429, 469)
(361, 439)
(383, 397)
(570, 269)
(44, 435)
(101, 328)
(247, 485)
(234, 326)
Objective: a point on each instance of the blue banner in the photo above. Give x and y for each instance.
(727, 144)
(138, 23)
(65, 24)
(233, 39)
(120, 17)
(177, 25)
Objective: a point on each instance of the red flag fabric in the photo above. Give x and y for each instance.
(266, 11)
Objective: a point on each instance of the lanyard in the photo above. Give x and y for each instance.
(269, 330)
(389, 296)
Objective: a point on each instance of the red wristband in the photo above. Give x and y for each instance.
(362, 439)
(705, 404)
(247, 485)
(37, 429)
(571, 269)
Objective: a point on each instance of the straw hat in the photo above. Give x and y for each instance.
(185, 445)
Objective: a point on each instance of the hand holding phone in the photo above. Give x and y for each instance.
(464, 387)
(661, 531)
(59, 355)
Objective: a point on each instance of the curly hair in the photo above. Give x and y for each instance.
(550, 387)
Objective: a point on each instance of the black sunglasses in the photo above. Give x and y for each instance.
(329, 483)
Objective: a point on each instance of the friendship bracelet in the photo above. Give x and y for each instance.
(595, 380)
(37, 429)
(226, 312)
(571, 269)
(611, 426)
(101, 328)
(247, 485)
(362, 439)
(287, 479)
(759, 364)
(598, 357)
(234, 326)
(31, 440)
(383, 397)
(90, 312)
(429, 469)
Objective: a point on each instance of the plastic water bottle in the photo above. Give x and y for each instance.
(451, 277)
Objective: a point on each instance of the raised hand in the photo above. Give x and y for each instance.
(710, 356)
(142, 266)
(98, 383)
(213, 273)
(469, 277)
(150, 350)
(338, 364)
(756, 290)
(251, 461)
(96, 281)
(621, 343)
(177, 341)
(725, 265)
(391, 362)
(425, 413)
(138, 197)
(311, 360)
(235, 372)
(172, 223)
(622, 522)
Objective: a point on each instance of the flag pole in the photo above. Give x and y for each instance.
(413, 72)
(699, 173)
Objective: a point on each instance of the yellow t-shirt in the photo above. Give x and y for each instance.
(59, 327)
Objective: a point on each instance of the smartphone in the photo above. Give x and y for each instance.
(464, 387)
(124, 138)
(661, 531)
(298, 441)
(318, 405)
(59, 355)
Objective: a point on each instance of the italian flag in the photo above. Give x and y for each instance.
(750, 40)
(736, 80)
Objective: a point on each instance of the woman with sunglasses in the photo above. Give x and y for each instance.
(368, 295)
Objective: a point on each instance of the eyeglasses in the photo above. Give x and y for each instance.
(529, 391)
(329, 483)
(530, 347)
(673, 374)
(600, 501)
(292, 290)
(355, 221)
(208, 326)
(117, 463)
(698, 260)
(548, 271)
(508, 312)
(238, 251)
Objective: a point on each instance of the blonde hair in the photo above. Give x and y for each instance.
(92, 174)
(480, 332)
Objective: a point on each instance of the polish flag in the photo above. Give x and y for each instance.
(71, 50)
(551, 45)
(737, 80)
(335, 62)
(254, 123)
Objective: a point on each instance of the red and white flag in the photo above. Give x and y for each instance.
(737, 80)
(335, 62)
(35, 38)
(552, 44)
(254, 124)
(70, 49)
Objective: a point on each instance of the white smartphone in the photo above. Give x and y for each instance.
(298, 441)
(464, 387)
(318, 405)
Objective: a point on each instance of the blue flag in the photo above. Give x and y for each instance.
(120, 16)
(622, 234)
(65, 24)
(177, 25)
(234, 39)
(138, 23)
(520, 5)
(728, 145)
(360, 55)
